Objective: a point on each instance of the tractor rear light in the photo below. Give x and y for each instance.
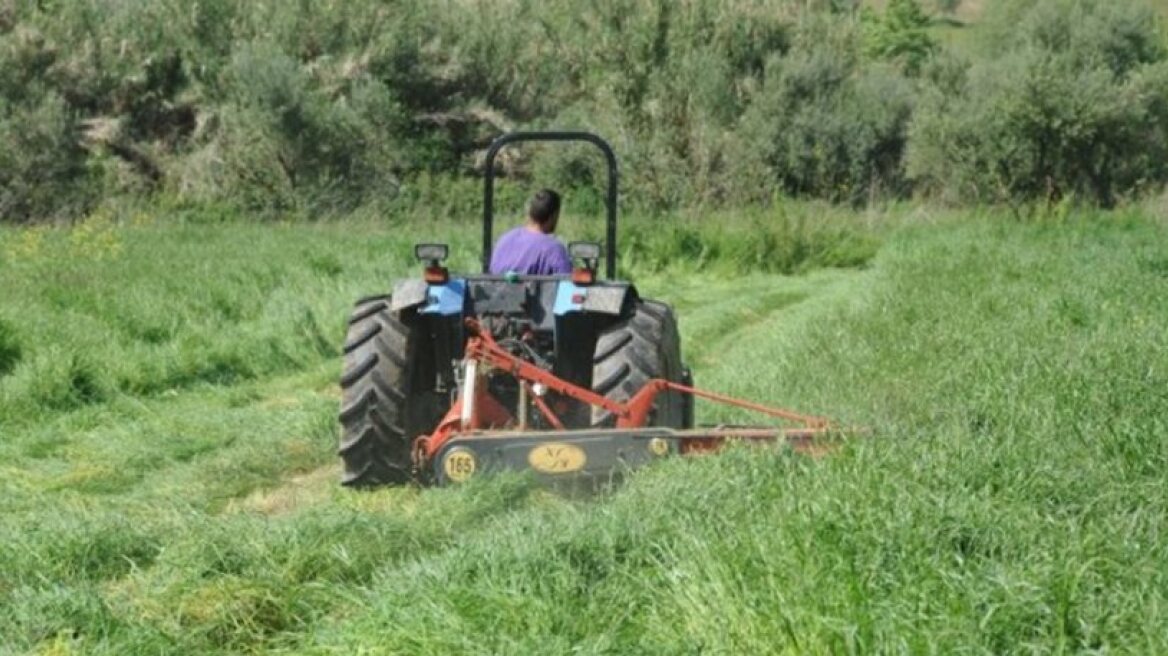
(436, 275)
(432, 253)
(583, 276)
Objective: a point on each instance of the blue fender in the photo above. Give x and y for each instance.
(446, 299)
(600, 299)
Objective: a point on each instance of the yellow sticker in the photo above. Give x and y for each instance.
(557, 458)
(459, 464)
(658, 446)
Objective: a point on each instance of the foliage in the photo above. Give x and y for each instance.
(316, 109)
(44, 173)
(286, 145)
(1072, 106)
(900, 34)
(823, 129)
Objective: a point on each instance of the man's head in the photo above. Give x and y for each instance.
(544, 210)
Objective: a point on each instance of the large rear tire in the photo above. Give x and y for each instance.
(635, 351)
(376, 434)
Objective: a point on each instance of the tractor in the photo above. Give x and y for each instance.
(568, 375)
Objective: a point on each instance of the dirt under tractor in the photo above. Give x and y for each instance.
(453, 376)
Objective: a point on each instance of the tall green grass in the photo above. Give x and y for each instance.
(149, 309)
(1010, 498)
(139, 305)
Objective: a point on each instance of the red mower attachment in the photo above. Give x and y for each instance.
(480, 435)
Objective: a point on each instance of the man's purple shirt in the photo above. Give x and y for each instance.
(531, 253)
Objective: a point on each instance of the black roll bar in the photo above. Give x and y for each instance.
(609, 201)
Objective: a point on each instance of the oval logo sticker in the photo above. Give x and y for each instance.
(557, 458)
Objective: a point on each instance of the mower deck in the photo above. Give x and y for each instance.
(480, 435)
(594, 455)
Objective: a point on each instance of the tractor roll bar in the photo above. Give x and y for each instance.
(609, 200)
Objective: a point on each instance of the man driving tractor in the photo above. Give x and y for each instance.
(530, 249)
(574, 378)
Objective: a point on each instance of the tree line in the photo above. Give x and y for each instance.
(326, 107)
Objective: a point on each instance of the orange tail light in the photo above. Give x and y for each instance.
(436, 275)
(583, 276)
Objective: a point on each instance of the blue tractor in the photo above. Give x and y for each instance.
(404, 351)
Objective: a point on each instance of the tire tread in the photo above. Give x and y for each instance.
(630, 353)
(374, 446)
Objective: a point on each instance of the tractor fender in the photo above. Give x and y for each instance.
(446, 299)
(409, 293)
(604, 298)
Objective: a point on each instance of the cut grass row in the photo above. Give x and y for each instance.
(1011, 498)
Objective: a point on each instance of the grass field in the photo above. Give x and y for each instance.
(168, 484)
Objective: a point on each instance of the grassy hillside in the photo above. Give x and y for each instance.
(167, 478)
(326, 108)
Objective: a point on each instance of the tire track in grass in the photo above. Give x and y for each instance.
(241, 540)
(705, 343)
(726, 337)
(715, 313)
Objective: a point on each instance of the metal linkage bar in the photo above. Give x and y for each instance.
(478, 410)
(642, 403)
(483, 348)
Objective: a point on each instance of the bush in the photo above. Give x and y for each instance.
(319, 108)
(44, 172)
(827, 129)
(1074, 108)
(899, 34)
(284, 145)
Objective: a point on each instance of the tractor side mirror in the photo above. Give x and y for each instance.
(588, 253)
(433, 255)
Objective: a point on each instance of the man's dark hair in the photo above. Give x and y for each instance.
(543, 206)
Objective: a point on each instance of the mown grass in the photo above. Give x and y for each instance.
(1011, 497)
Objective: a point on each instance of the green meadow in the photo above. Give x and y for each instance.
(168, 482)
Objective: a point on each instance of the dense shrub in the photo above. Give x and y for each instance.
(899, 34)
(287, 144)
(316, 108)
(44, 172)
(1074, 105)
(824, 128)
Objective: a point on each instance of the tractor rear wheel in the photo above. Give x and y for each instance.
(635, 351)
(376, 435)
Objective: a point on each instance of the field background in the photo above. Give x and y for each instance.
(888, 213)
(169, 478)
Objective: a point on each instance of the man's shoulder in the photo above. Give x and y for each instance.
(552, 246)
(553, 242)
(532, 238)
(511, 234)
